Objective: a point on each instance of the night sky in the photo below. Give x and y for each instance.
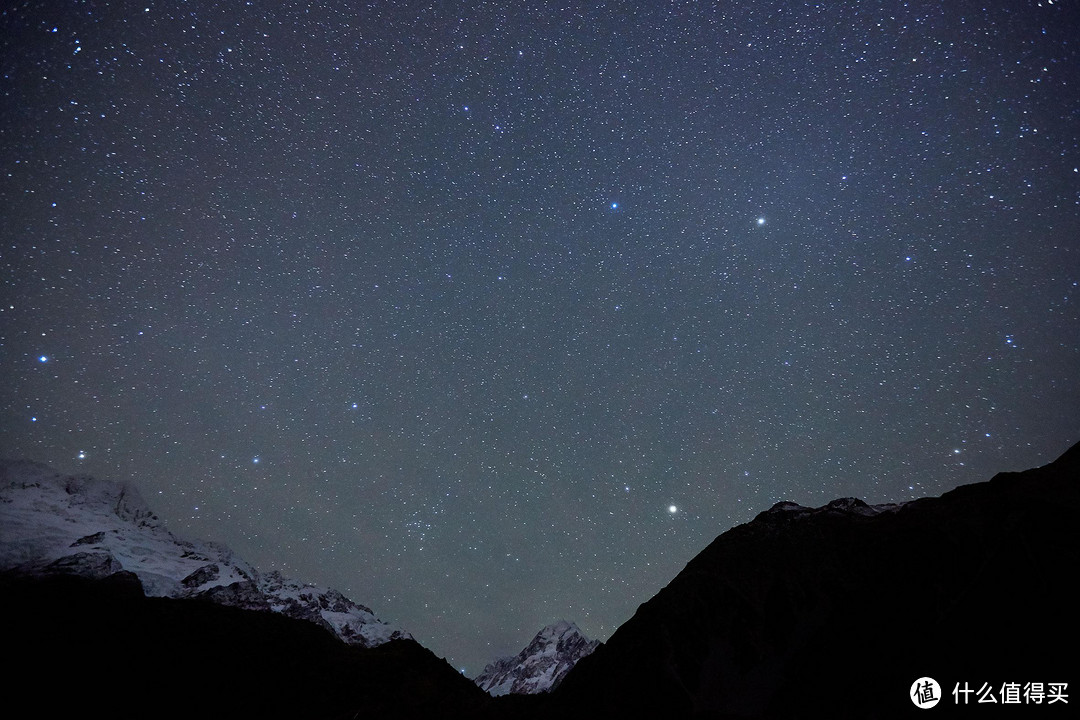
(494, 315)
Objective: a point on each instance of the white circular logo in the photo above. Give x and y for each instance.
(925, 693)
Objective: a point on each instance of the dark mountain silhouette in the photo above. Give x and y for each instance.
(826, 612)
(80, 647)
(835, 612)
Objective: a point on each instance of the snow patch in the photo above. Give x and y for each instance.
(54, 523)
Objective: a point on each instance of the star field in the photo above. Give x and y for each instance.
(490, 316)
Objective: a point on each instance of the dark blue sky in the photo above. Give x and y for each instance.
(448, 306)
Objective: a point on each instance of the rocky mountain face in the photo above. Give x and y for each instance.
(79, 525)
(541, 665)
(837, 610)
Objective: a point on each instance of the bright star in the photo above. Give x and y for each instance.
(43, 358)
(672, 509)
(614, 206)
(760, 221)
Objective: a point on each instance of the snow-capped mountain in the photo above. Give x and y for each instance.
(541, 665)
(77, 524)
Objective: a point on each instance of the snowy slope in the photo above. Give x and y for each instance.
(54, 523)
(541, 665)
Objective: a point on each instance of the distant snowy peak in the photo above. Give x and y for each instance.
(55, 523)
(541, 665)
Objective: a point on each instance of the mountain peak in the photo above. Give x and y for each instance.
(541, 665)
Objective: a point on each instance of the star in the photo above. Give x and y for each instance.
(450, 252)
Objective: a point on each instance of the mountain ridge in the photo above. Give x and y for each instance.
(799, 598)
(93, 527)
(801, 612)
